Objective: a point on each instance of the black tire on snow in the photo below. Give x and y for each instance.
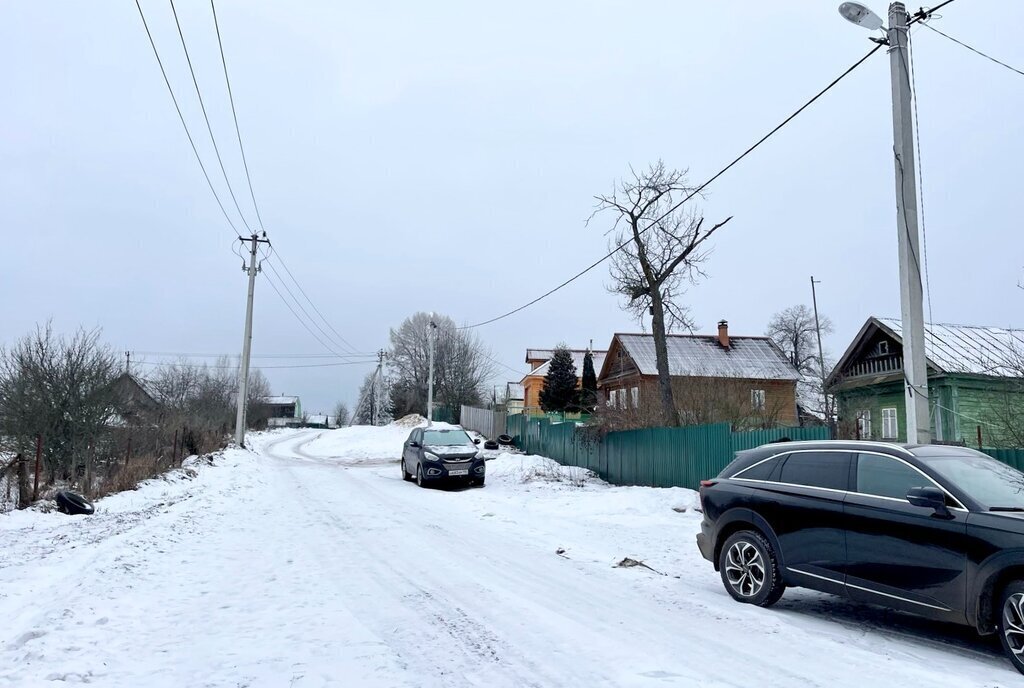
(1014, 590)
(490, 444)
(504, 439)
(74, 504)
(772, 585)
(419, 477)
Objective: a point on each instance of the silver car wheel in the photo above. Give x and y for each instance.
(1013, 623)
(745, 570)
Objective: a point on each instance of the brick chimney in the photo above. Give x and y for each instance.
(723, 333)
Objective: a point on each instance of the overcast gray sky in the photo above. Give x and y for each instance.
(443, 156)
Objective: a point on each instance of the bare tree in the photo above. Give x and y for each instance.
(341, 414)
(663, 242)
(793, 331)
(60, 388)
(461, 364)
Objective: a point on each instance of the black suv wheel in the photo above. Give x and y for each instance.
(1011, 623)
(750, 571)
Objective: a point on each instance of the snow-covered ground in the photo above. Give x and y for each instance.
(309, 562)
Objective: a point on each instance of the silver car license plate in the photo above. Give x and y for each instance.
(458, 471)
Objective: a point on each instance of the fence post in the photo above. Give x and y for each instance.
(39, 461)
(979, 438)
(181, 456)
(89, 460)
(24, 496)
(174, 450)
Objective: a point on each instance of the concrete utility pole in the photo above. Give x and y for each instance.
(911, 290)
(821, 356)
(430, 380)
(243, 373)
(375, 388)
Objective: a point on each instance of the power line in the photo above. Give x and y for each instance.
(297, 316)
(234, 115)
(920, 178)
(224, 355)
(973, 50)
(177, 107)
(310, 318)
(689, 196)
(206, 117)
(264, 368)
(280, 259)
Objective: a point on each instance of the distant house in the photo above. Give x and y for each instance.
(975, 381)
(132, 400)
(539, 361)
(514, 397)
(744, 380)
(282, 411)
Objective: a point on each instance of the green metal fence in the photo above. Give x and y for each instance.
(664, 457)
(1011, 457)
(658, 457)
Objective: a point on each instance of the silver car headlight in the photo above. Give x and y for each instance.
(430, 456)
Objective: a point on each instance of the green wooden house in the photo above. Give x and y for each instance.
(975, 384)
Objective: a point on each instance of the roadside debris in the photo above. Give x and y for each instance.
(629, 563)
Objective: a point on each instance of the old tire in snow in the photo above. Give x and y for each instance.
(73, 504)
(505, 439)
(490, 444)
(750, 569)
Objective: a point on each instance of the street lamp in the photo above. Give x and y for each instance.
(915, 367)
(860, 15)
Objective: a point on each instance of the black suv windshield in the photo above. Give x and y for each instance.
(445, 438)
(987, 481)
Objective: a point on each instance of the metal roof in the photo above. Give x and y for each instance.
(577, 360)
(968, 349)
(280, 400)
(753, 358)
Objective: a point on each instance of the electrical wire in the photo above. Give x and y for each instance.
(693, 193)
(327, 322)
(161, 364)
(188, 133)
(206, 117)
(310, 318)
(297, 317)
(974, 50)
(234, 115)
(920, 181)
(223, 355)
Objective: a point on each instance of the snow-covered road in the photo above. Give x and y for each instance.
(304, 565)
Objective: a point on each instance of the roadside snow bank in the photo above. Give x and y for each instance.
(367, 443)
(527, 468)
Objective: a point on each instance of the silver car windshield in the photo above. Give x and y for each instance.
(445, 438)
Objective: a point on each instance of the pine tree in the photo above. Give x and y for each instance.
(588, 395)
(559, 391)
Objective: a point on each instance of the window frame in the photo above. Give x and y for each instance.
(931, 481)
(895, 419)
(863, 415)
(634, 394)
(958, 505)
(758, 399)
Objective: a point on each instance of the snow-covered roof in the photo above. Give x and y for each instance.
(514, 390)
(280, 400)
(753, 358)
(577, 359)
(969, 349)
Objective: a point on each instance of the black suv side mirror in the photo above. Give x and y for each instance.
(930, 498)
(414, 444)
(476, 440)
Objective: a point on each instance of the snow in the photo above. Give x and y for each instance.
(308, 561)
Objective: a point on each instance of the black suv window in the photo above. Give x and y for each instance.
(761, 471)
(817, 469)
(886, 477)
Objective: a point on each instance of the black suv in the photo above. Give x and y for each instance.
(933, 530)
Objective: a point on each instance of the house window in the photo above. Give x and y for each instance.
(864, 424)
(757, 399)
(890, 425)
(883, 348)
(635, 394)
